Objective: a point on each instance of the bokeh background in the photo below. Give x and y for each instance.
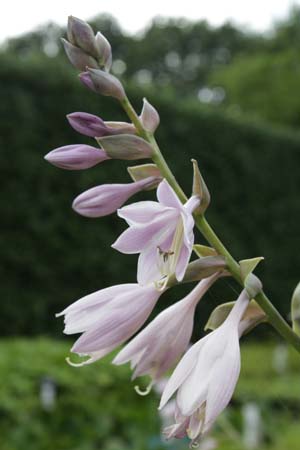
(228, 95)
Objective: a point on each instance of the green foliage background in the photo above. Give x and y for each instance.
(96, 407)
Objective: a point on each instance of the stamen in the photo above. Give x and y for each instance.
(164, 261)
(194, 444)
(145, 391)
(79, 364)
(176, 246)
(71, 363)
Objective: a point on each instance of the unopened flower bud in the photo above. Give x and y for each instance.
(104, 51)
(78, 57)
(105, 199)
(94, 126)
(200, 189)
(85, 79)
(126, 146)
(87, 124)
(76, 157)
(81, 34)
(149, 117)
(103, 83)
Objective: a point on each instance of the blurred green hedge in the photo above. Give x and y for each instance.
(51, 256)
(95, 407)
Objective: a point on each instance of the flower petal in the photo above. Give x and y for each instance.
(148, 269)
(183, 260)
(223, 380)
(99, 297)
(182, 371)
(124, 316)
(167, 197)
(144, 212)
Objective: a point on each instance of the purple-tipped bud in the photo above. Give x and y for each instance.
(104, 50)
(76, 157)
(105, 199)
(126, 146)
(103, 83)
(81, 34)
(94, 126)
(88, 124)
(78, 57)
(85, 79)
(149, 117)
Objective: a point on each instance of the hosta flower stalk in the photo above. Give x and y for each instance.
(162, 234)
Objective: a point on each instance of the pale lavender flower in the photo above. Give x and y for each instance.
(205, 377)
(103, 200)
(76, 157)
(159, 346)
(162, 232)
(94, 126)
(108, 317)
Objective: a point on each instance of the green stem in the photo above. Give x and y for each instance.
(274, 317)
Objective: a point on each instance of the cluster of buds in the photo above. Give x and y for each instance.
(162, 234)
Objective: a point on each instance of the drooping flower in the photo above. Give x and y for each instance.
(205, 377)
(159, 346)
(76, 157)
(162, 232)
(108, 317)
(105, 199)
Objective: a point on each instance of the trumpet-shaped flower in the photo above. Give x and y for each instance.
(205, 377)
(159, 346)
(162, 232)
(108, 317)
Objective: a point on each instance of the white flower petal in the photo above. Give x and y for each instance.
(182, 371)
(223, 380)
(142, 212)
(167, 197)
